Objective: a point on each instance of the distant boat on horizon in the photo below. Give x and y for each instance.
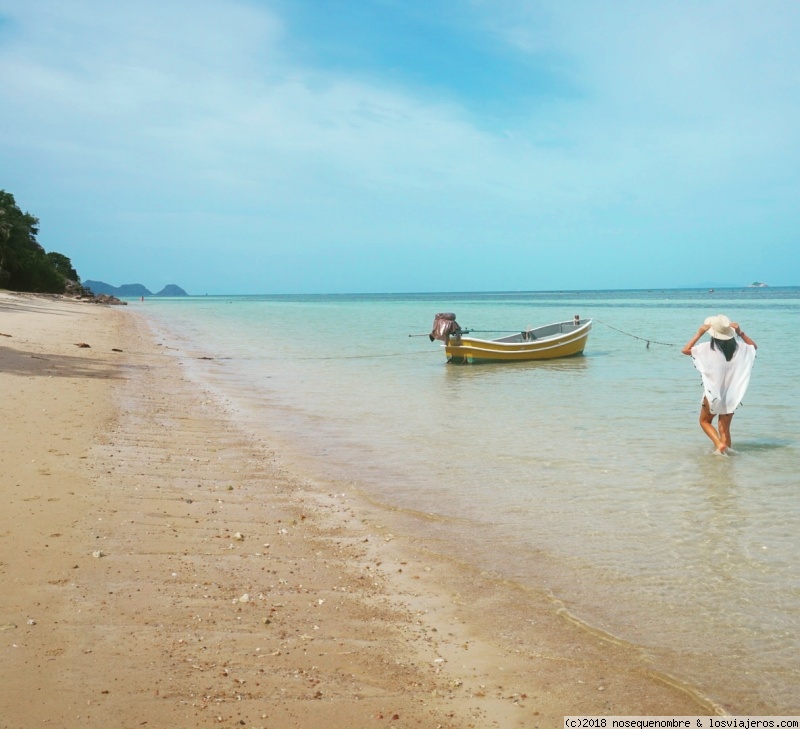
(758, 285)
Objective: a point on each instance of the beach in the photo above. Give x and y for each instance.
(164, 567)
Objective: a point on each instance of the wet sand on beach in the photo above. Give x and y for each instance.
(161, 567)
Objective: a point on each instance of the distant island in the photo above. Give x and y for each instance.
(757, 285)
(132, 290)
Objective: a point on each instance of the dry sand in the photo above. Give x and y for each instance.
(160, 568)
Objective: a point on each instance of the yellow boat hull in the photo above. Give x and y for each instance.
(470, 350)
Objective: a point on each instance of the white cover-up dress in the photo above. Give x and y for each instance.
(724, 383)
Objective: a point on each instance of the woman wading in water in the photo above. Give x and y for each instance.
(725, 366)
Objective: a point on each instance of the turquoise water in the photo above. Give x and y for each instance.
(587, 476)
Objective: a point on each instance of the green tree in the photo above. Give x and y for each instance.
(63, 265)
(24, 265)
(5, 237)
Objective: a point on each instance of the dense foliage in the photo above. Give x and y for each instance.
(24, 264)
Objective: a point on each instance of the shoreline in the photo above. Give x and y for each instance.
(185, 616)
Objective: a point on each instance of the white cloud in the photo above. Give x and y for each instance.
(174, 118)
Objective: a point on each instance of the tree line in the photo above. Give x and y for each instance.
(24, 263)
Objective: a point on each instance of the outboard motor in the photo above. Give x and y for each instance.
(444, 327)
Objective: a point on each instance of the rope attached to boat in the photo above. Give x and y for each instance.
(376, 356)
(643, 339)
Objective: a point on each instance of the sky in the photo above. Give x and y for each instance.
(360, 146)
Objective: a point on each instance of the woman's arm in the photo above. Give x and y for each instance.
(735, 326)
(700, 332)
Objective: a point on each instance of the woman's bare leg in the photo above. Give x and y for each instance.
(707, 424)
(724, 424)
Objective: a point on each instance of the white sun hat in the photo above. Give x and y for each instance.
(720, 327)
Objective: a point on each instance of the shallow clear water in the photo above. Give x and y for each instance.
(588, 476)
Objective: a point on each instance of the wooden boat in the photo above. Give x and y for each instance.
(562, 339)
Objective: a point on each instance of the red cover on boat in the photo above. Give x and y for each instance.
(444, 326)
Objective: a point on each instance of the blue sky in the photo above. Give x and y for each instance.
(295, 146)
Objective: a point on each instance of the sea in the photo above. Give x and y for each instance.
(587, 477)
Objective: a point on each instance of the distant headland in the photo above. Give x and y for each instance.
(131, 290)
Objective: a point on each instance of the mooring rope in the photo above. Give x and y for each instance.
(376, 356)
(642, 339)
